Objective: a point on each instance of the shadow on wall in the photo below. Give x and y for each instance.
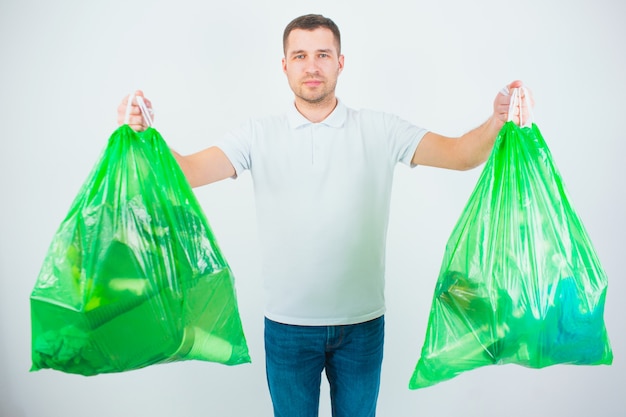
(7, 405)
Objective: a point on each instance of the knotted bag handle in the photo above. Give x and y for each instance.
(145, 112)
(518, 103)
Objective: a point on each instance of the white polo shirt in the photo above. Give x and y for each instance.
(322, 197)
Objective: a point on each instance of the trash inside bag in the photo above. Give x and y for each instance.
(134, 275)
(520, 282)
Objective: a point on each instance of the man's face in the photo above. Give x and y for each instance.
(312, 64)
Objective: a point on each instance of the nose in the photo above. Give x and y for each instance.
(311, 66)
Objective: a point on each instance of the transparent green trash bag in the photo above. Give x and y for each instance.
(520, 282)
(134, 276)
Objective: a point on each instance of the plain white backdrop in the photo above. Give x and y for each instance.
(207, 66)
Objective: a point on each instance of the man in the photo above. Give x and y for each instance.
(322, 176)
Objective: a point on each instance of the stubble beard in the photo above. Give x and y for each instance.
(317, 97)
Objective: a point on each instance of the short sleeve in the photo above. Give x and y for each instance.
(236, 145)
(404, 137)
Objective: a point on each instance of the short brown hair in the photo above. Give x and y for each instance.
(312, 22)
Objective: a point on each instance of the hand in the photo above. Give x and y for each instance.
(135, 119)
(503, 100)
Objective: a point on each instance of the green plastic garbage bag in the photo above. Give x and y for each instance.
(134, 276)
(520, 282)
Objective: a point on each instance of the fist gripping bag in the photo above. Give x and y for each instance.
(520, 282)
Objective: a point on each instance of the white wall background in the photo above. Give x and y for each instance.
(65, 65)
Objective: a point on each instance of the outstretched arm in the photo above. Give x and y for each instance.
(473, 148)
(204, 167)
(201, 168)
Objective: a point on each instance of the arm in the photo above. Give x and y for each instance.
(201, 168)
(471, 149)
(205, 167)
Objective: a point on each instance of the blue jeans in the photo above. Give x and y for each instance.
(351, 355)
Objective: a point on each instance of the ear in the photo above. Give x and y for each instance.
(284, 65)
(341, 63)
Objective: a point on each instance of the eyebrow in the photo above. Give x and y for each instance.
(301, 51)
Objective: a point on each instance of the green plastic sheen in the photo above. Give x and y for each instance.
(134, 276)
(520, 282)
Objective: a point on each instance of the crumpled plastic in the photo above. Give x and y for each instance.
(520, 282)
(134, 276)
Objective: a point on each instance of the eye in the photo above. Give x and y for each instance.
(324, 55)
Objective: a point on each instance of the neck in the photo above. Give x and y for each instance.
(316, 112)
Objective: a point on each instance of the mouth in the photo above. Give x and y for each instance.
(312, 83)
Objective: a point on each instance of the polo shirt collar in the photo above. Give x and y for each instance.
(336, 119)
